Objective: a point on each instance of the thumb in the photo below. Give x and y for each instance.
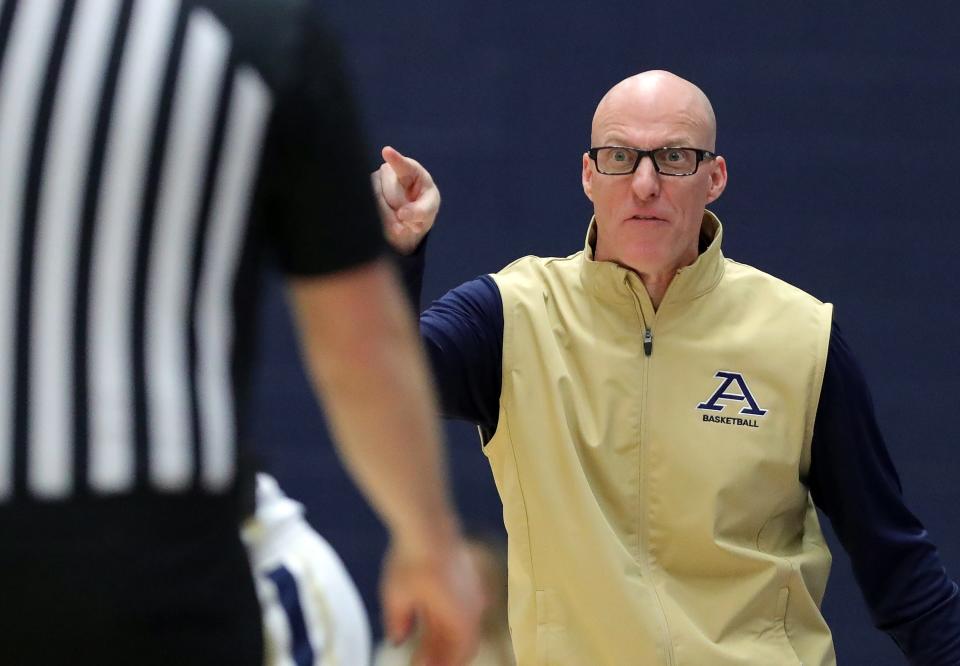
(422, 209)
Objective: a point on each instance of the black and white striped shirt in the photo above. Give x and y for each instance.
(149, 150)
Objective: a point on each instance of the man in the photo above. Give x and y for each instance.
(660, 422)
(133, 136)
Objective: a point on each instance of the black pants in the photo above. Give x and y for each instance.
(129, 585)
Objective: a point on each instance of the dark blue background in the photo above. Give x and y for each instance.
(839, 125)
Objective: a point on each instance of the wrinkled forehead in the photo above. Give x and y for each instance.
(651, 116)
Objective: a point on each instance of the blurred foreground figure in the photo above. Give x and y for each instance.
(152, 153)
(661, 421)
(312, 611)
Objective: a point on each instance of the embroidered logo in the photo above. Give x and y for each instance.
(727, 392)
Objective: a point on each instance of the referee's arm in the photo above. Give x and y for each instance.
(364, 356)
(317, 212)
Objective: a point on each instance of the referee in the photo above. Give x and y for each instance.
(152, 154)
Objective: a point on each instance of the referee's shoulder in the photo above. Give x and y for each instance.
(268, 35)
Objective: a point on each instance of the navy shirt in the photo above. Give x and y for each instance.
(851, 478)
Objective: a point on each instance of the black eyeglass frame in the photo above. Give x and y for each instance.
(701, 156)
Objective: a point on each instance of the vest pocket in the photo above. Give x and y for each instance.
(553, 646)
(779, 629)
(547, 628)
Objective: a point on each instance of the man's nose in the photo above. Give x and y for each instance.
(646, 180)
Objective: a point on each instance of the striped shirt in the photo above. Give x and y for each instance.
(150, 152)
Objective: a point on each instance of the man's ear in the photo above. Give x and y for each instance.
(586, 177)
(718, 179)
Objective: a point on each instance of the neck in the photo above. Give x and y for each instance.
(655, 282)
(656, 285)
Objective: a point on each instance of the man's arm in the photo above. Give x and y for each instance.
(363, 355)
(463, 330)
(853, 481)
(463, 335)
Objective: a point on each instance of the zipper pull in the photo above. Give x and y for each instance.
(647, 341)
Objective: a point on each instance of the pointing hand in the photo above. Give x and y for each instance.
(407, 198)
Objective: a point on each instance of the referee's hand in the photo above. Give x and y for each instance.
(407, 198)
(436, 591)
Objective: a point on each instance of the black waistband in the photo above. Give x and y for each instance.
(113, 522)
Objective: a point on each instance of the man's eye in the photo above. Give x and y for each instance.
(620, 155)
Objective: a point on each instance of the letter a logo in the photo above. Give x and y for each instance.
(729, 378)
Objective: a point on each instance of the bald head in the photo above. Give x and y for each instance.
(652, 101)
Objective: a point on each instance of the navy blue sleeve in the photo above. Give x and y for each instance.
(463, 336)
(462, 333)
(410, 269)
(853, 481)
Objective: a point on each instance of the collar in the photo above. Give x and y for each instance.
(610, 281)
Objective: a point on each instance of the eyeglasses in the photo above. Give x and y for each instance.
(669, 161)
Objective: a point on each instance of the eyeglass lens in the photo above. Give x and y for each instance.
(673, 161)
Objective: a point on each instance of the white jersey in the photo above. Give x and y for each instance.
(312, 611)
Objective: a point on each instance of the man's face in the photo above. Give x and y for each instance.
(647, 221)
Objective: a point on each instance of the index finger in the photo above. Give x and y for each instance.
(407, 170)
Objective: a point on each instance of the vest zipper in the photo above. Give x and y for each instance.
(644, 561)
(647, 323)
(645, 569)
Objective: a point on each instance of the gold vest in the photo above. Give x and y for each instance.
(654, 497)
